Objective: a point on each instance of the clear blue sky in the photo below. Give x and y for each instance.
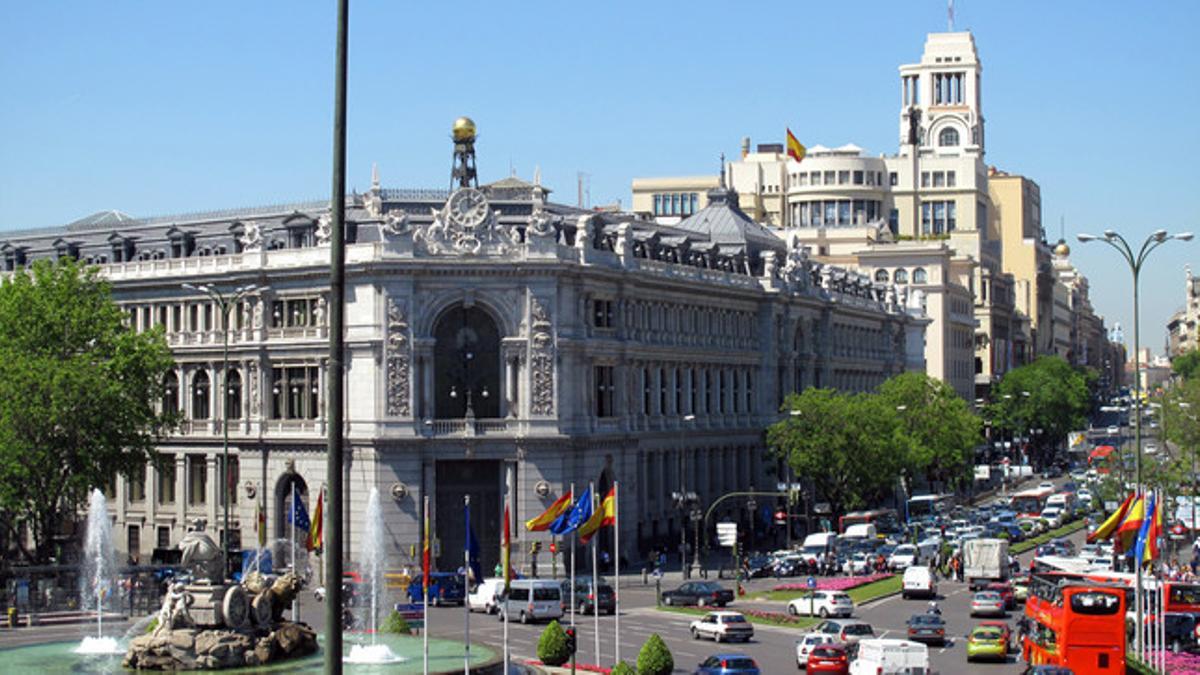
(165, 107)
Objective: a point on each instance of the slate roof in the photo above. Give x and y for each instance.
(723, 222)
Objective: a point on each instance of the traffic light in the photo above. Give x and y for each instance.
(571, 639)
(536, 547)
(553, 547)
(780, 518)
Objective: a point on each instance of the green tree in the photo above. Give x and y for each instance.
(655, 658)
(396, 623)
(1047, 394)
(848, 444)
(552, 645)
(623, 668)
(1186, 365)
(937, 428)
(78, 392)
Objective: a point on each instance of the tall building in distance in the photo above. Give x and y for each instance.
(1182, 329)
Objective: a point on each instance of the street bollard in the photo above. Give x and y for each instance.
(13, 618)
(645, 576)
(658, 591)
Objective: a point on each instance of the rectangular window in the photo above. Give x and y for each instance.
(843, 177)
(645, 391)
(816, 214)
(939, 217)
(802, 179)
(657, 205)
(894, 221)
(231, 479)
(166, 480)
(749, 392)
(695, 201)
(924, 179)
(197, 469)
(858, 177)
(926, 218)
(602, 313)
(844, 212)
(949, 179)
(675, 204)
(939, 179)
(893, 178)
(163, 537)
(815, 178)
(662, 391)
(830, 212)
(604, 391)
(951, 220)
(134, 543)
(829, 177)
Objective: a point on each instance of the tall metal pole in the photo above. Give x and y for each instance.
(337, 309)
(225, 427)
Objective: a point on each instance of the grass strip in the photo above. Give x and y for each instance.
(859, 594)
(1030, 544)
(753, 616)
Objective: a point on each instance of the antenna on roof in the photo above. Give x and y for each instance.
(950, 15)
(722, 175)
(1062, 227)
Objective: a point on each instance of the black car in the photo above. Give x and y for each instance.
(927, 628)
(586, 600)
(759, 567)
(700, 593)
(1181, 632)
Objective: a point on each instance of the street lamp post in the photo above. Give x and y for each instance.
(1135, 262)
(224, 304)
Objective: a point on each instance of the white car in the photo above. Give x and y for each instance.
(903, 557)
(486, 596)
(722, 627)
(822, 603)
(1151, 449)
(1045, 485)
(805, 645)
(1053, 517)
(859, 563)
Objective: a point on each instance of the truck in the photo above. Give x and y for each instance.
(984, 561)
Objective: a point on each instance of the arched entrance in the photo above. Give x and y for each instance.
(466, 363)
(283, 495)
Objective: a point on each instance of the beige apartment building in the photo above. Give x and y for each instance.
(1182, 328)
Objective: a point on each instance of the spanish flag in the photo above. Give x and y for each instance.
(261, 525)
(1108, 527)
(542, 522)
(1151, 531)
(506, 552)
(315, 530)
(1130, 527)
(602, 517)
(425, 570)
(795, 149)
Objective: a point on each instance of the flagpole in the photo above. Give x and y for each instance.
(505, 554)
(571, 592)
(595, 583)
(295, 568)
(425, 585)
(467, 585)
(617, 570)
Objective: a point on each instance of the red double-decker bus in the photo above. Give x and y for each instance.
(1075, 623)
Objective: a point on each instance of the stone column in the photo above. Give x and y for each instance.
(181, 495)
(212, 498)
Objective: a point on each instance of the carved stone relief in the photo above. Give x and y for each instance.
(398, 359)
(255, 403)
(541, 358)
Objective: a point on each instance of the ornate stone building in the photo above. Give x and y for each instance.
(495, 342)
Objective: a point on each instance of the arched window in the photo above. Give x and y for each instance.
(901, 276)
(170, 399)
(948, 137)
(233, 393)
(467, 365)
(200, 387)
(881, 276)
(919, 276)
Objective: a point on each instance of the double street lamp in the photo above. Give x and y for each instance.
(224, 304)
(1135, 262)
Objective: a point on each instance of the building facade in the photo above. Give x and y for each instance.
(497, 344)
(1183, 329)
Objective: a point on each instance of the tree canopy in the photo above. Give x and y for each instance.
(1047, 394)
(938, 430)
(1187, 365)
(78, 393)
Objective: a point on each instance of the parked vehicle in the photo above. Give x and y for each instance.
(986, 642)
(831, 659)
(987, 603)
(807, 643)
(985, 561)
(722, 627)
(445, 588)
(845, 630)
(533, 600)
(699, 593)
(903, 557)
(822, 603)
(918, 582)
(891, 657)
(927, 628)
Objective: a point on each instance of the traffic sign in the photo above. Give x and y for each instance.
(727, 534)
(811, 582)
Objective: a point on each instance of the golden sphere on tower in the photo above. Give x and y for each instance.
(464, 129)
(1062, 249)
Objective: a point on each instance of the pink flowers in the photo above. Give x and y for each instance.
(834, 583)
(775, 617)
(1183, 663)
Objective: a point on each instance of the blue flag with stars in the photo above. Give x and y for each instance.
(297, 514)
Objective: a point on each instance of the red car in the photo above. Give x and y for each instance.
(830, 659)
(1006, 593)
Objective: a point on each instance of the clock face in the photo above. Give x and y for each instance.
(468, 208)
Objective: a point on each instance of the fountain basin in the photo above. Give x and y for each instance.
(445, 656)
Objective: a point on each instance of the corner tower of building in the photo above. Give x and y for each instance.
(941, 105)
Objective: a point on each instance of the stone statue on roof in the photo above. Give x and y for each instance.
(251, 238)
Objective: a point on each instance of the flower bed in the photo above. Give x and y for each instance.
(1180, 664)
(585, 667)
(835, 583)
(780, 618)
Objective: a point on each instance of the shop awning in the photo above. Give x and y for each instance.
(1101, 452)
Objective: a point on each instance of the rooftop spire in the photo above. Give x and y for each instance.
(374, 176)
(722, 175)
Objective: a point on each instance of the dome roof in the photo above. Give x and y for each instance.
(1062, 249)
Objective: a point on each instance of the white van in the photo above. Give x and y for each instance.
(890, 657)
(533, 600)
(918, 583)
(486, 596)
(861, 531)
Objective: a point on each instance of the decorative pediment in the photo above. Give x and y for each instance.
(465, 226)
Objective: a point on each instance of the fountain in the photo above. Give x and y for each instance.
(374, 559)
(99, 574)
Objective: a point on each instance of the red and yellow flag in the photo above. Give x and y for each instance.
(601, 517)
(316, 529)
(542, 522)
(1128, 531)
(1153, 533)
(795, 149)
(261, 525)
(425, 553)
(1108, 527)
(506, 551)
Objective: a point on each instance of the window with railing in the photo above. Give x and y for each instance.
(137, 485)
(166, 480)
(295, 312)
(197, 469)
(294, 392)
(604, 391)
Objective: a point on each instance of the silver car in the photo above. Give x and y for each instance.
(987, 603)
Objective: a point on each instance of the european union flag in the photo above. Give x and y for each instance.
(576, 517)
(472, 547)
(297, 514)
